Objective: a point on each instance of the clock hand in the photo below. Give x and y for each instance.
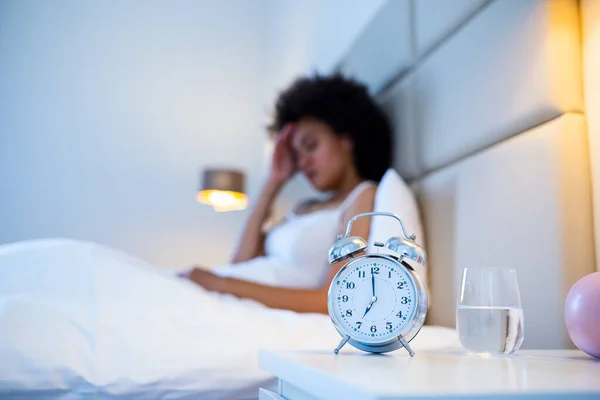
(373, 300)
(374, 297)
(368, 308)
(373, 282)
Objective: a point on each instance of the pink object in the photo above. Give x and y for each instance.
(582, 314)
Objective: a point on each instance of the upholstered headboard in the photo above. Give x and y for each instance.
(486, 101)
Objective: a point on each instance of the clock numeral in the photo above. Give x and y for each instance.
(375, 270)
(361, 274)
(359, 324)
(348, 313)
(345, 298)
(388, 325)
(400, 285)
(399, 315)
(390, 274)
(373, 328)
(350, 285)
(404, 300)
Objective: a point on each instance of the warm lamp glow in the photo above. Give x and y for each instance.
(223, 200)
(223, 190)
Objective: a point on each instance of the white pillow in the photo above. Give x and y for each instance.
(393, 195)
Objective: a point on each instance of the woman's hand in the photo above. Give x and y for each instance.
(207, 280)
(283, 163)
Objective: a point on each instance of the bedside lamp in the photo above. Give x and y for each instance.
(223, 190)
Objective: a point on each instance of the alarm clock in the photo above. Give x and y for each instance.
(377, 302)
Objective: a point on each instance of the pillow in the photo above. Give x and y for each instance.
(394, 196)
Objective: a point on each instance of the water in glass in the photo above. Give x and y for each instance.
(489, 316)
(490, 330)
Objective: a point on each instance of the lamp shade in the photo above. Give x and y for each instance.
(223, 189)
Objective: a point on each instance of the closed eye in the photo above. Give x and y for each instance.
(309, 146)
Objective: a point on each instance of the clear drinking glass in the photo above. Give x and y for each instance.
(489, 316)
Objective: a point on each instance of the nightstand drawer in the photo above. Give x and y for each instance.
(264, 394)
(288, 392)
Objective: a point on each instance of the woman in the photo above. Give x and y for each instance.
(333, 133)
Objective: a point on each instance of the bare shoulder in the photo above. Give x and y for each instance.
(363, 203)
(366, 195)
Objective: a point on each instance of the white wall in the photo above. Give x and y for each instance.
(110, 109)
(590, 12)
(312, 35)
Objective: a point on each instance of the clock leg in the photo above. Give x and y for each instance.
(406, 346)
(342, 343)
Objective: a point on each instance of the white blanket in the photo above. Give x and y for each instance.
(79, 319)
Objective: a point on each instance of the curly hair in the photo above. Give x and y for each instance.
(347, 108)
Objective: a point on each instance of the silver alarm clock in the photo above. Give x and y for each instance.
(377, 302)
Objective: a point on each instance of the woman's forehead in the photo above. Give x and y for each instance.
(308, 128)
(302, 131)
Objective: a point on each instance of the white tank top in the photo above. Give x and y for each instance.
(296, 250)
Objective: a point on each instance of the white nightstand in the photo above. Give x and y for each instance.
(529, 374)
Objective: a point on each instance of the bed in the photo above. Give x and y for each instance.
(485, 98)
(81, 320)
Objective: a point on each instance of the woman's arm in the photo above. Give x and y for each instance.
(299, 300)
(251, 243)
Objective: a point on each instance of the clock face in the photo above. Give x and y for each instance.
(373, 299)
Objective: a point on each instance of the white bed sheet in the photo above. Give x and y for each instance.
(78, 319)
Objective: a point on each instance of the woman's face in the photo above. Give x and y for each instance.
(321, 155)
